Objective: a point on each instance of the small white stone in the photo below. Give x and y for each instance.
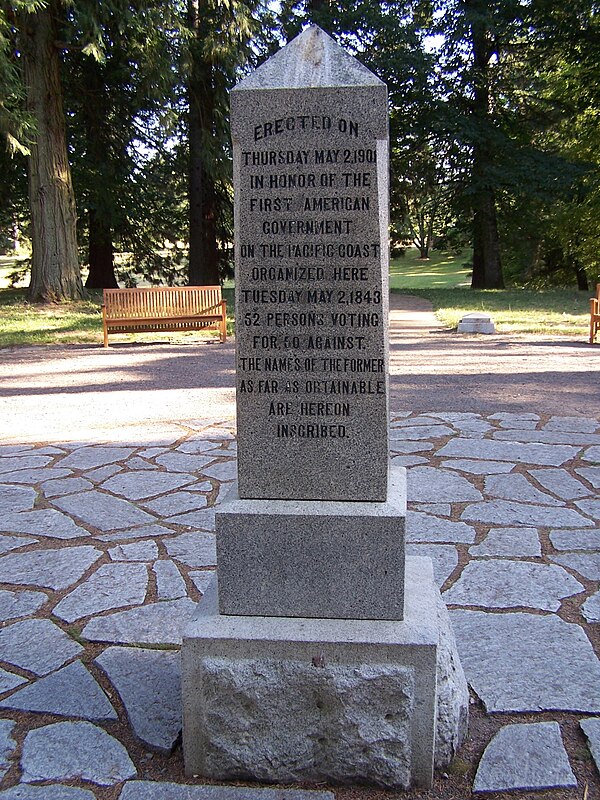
(517, 487)
(431, 485)
(478, 467)
(136, 551)
(560, 483)
(111, 586)
(196, 549)
(516, 542)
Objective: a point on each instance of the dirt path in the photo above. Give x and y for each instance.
(80, 391)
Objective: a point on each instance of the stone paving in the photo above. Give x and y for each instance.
(106, 547)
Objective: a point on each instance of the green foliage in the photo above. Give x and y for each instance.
(442, 269)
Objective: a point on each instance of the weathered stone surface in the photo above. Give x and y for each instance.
(431, 485)
(504, 512)
(266, 556)
(73, 750)
(478, 467)
(8, 681)
(203, 519)
(19, 604)
(590, 507)
(426, 528)
(92, 457)
(182, 462)
(202, 579)
(55, 791)
(196, 549)
(149, 684)
(510, 416)
(517, 487)
(70, 692)
(11, 449)
(146, 550)
(560, 483)
(158, 623)
(146, 790)
(177, 503)
(549, 437)
(407, 447)
(7, 745)
(103, 511)
(169, 583)
(437, 509)
(8, 543)
(591, 728)
(374, 719)
(452, 714)
(525, 756)
(31, 476)
(526, 662)
(14, 463)
(54, 569)
(16, 498)
(37, 645)
(354, 734)
(139, 485)
(542, 454)
(575, 424)
(517, 542)
(408, 461)
(222, 471)
(102, 473)
(276, 460)
(55, 488)
(576, 540)
(591, 608)
(111, 586)
(195, 445)
(136, 533)
(510, 584)
(443, 556)
(472, 428)
(587, 565)
(591, 474)
(44, 522)
(419, 432)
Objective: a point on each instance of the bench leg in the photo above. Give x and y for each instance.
(105, 336)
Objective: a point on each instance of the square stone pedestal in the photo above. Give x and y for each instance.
(282, 700)
(313, 558)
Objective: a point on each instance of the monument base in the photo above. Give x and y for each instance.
(284, 700)
(313, 558)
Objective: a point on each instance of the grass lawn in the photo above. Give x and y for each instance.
(441, 271)
(551, 312)
(23, 323)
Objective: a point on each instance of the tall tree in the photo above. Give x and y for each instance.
(220, 35)
(55, 271)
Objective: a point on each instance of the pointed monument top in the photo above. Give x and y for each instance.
(311, 60)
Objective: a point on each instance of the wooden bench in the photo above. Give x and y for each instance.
(163, 308)
(595, 315)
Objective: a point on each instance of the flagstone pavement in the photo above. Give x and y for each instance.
(105, 547)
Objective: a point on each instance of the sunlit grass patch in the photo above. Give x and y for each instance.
(442, 270)
(554, 312)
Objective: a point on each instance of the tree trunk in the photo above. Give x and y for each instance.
(101, 254)
(100, 235)
(55, 274)
(487, 265)
(582, 279)
(203, 249)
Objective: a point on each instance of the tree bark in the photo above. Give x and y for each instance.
(100, 254)
(96, 112)
(203, 248)
(581, 275)
(487, 264)
(55, 274)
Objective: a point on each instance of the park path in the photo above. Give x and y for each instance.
(80, 391)
(112, 464)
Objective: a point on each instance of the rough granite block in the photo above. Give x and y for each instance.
(303, 558)
(282, 700)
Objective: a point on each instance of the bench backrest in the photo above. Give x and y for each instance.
(160, 301)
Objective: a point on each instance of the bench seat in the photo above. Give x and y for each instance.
(164, 309)
(595, 315)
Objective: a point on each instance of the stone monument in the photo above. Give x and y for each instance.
(323, 654)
